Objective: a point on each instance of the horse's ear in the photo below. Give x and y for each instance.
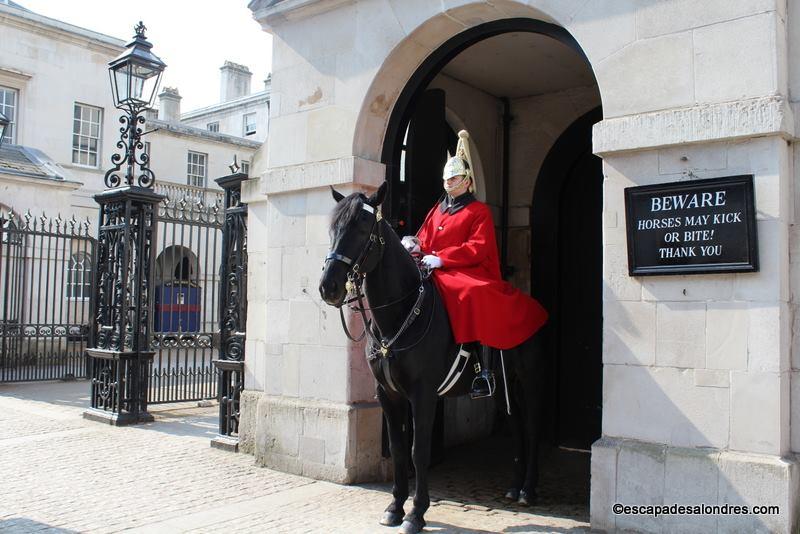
(337, 196)
(377, 198)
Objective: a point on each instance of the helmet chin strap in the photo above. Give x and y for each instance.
(453, 187)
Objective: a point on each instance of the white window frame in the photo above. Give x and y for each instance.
(213, 126)
(79, 276)
(82, 129)
(196, 168)
(10, 111)
(245, 130)
(246, 167)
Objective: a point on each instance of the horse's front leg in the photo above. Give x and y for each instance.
(395, 409)
(423, 407)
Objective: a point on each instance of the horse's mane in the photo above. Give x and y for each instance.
(345, 211)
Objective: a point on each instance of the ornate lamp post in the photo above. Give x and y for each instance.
(119, 352)
(4, 122)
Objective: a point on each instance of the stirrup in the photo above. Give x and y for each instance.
(483, 385)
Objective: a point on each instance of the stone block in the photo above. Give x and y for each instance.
(287, 223)
(680, 334)
(754, 480)
(664, 77)
(330, 133)
(278, 319)
(766, 158)
(324, 373)
(328, 424)
(257, 221)
(305, 86)
(640, 472)
(795, 410)
(745, 46)
(629, 332)
(726, 335)
(768, 337)
(411, 14)
(304, 322)
(655, 17)
(690, 479)
(288, 139)
(603, 484)
(692, 158)
(312, 449)
(471, 13)
(290, 371)
(301, 269)
(604, 27)
(369, 463)
(331, 332)
(710, 378)
(759, 412)
(617, 283)
(279, 427)
(271, 277)
(376, 34)
(663, 405)
(688, 288)
(248, 417)
(771, 282)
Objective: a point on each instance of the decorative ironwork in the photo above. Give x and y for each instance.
(233, 305)
(133, 155)
(121, 326)
(45, 309)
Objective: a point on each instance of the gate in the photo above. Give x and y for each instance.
(46, 279)
(185, 329)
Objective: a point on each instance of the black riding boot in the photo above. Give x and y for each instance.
(483, 385)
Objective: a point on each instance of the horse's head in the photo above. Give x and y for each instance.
(354, 235)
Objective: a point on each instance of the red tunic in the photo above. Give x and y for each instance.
(481, 305)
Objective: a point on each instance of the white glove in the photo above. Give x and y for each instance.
(411, 243)
(431, 261)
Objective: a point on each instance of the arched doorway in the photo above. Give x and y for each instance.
(527, 94)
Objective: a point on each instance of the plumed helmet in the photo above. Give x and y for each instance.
(461, 163)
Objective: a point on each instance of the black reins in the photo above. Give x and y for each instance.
(356, 275)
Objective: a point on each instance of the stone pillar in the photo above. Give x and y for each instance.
(696, 368)
(308, 405)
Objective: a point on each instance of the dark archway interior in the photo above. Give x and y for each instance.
(526, 93)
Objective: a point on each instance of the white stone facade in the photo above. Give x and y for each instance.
(698, 370)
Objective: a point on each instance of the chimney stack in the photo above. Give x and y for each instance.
(234, 81)
(268, 82)
(169, 107)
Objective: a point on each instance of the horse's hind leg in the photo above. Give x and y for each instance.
(423, 406)
(396, 410)
(517, 425)
(534, 370)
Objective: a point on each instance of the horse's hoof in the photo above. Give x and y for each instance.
(412, 525)
(526, 499)
(391, 519)
(512, 494)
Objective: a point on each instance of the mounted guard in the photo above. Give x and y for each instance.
(457, 240)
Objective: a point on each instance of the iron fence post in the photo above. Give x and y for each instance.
(120, 353)
(232, 311)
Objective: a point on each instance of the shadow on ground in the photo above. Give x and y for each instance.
(478, 474)
(23, 524)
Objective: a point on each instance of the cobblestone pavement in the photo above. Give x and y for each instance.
(60, 473)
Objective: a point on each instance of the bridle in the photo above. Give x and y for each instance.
(356, 275)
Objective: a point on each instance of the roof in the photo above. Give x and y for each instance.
(26, 161)
(183, 129)
(14, 4)
(242, 101)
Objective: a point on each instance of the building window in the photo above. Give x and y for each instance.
(249, 123)
(246, 167)
(8, 107)
(196, 172)
(79, 276)
(86, 135)
(213, 126)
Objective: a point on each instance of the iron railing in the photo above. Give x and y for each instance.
(46, 280)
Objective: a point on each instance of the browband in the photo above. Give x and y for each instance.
(368, 207)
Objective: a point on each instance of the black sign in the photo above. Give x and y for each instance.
(702, 226)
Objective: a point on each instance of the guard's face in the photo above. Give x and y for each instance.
(456, 185)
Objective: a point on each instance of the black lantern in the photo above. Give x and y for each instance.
(136, 73)
(4, 122)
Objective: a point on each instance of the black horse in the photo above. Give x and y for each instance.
(411, 351)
